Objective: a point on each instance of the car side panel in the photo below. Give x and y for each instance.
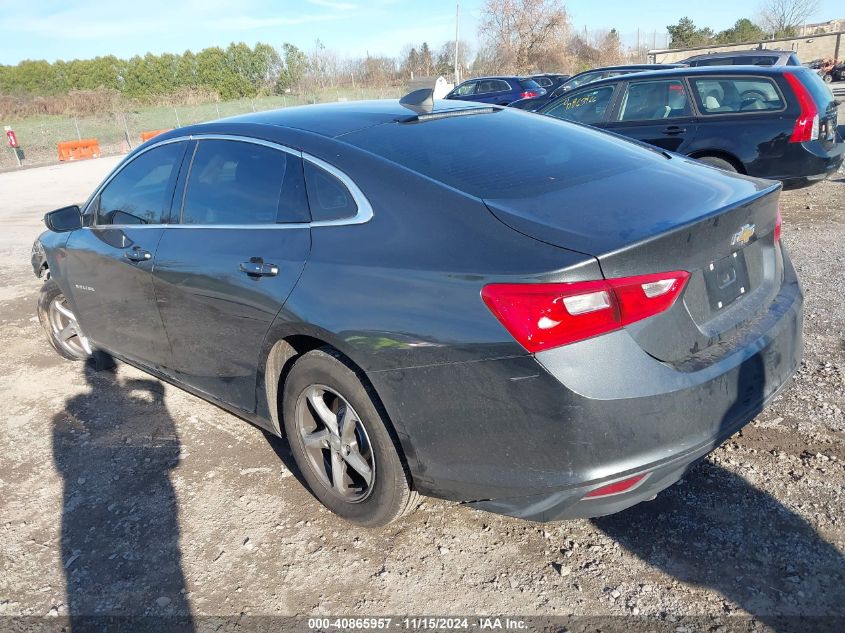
(216, 316)
(760, 142)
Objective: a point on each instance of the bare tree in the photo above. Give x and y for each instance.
(782, 18)
(523, 35)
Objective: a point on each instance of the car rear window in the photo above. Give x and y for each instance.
(728, 95)
(530, 84)
(818, 89)
(504, 154)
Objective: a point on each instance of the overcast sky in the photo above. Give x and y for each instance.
(67, 29)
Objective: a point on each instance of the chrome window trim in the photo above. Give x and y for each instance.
(363, 215)
(365, 211)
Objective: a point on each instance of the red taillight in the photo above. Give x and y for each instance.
(542, 316)
(616, 487)
(807, 125)
(778, 223)
(528, 94)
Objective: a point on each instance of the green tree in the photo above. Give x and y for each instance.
(743, 30)
(685, 34)
(295, 65)
(426, 60)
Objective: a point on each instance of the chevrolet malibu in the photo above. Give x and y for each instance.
(562, 334)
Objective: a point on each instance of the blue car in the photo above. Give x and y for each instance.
(496, 90)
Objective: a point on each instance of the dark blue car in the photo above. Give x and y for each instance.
(496, 90)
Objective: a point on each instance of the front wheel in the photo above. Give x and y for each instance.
(342, 443)
(60, 324)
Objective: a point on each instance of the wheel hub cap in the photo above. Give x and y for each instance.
(335, 443)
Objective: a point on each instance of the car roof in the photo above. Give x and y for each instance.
(334, 119)
(700, 70)
(494, 77)
(751, 52)
(628, 67)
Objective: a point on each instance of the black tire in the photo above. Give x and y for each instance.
(390, 495)
(828, 78)
(50, 293)
(721, 163)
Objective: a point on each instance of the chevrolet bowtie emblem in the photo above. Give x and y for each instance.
(743, 236)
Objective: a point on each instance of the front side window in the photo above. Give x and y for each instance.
(235, 182)
(465, 89)
(586, 106)
(328, 197)
(141, 192)
(736, 94)
(654, 100)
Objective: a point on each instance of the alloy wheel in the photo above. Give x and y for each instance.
(65, 328)
(336, 443)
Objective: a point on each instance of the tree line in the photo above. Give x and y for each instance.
(236, 71)
(514, 36)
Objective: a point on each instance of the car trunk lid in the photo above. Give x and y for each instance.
(719, 227)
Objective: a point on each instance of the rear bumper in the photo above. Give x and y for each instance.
(530, 436)
(817, 163)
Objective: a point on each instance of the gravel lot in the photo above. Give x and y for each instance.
(122, 495)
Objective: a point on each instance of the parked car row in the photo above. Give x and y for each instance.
(759, 113)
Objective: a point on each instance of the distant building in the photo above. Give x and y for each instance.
(807, 47)
(831, 26)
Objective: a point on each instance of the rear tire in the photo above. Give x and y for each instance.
(721, 163)
(342, 442)
(60, 324)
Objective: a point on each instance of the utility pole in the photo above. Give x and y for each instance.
(457, 25)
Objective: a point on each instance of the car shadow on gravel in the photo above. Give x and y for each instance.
(115, 446)
(716, 530)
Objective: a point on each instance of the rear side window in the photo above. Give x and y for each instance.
(141, 192)
(492, 85)
(328, 197)
(654, 100)
(727, 95)
(234, 182)
(587, 106)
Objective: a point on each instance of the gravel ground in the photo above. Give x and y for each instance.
(122, 495)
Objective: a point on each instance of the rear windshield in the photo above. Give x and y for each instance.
(505, 154)
(725, 95)
(530, 84)
(818, 89)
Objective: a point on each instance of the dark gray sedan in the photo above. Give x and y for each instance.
(560, 334)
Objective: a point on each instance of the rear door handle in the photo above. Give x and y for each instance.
(138, 255)
(259, 269)
(674, 129)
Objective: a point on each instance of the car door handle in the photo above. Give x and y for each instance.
(674, 129)
(259, 269)
(138, 255)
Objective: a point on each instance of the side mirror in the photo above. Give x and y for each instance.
(64, 220)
